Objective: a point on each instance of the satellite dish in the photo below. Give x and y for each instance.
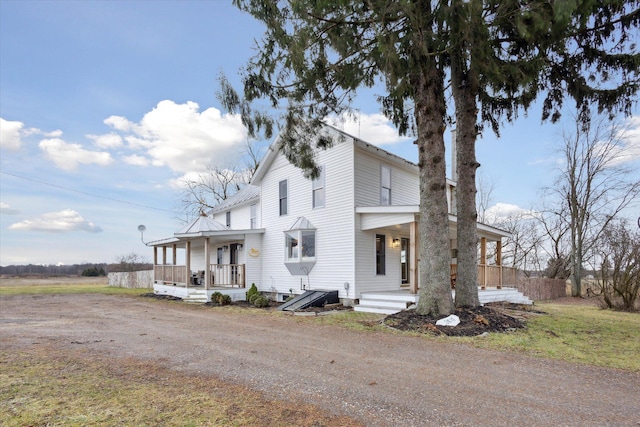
(141, 229)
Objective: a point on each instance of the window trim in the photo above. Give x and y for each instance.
(284, 198)
(318, 185)
(382, 185)
(253, 216)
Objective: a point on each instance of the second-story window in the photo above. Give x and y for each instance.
(229, 219)
(253, 209)
(283, 198)
(385, 186)
(317, 189)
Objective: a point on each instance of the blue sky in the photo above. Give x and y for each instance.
(104, 106)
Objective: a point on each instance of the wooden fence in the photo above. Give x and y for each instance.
(132, 279)
(539, 289)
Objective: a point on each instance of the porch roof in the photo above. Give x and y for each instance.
(217, 235)
(372, 217)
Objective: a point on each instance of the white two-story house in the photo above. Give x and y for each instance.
(351, 230)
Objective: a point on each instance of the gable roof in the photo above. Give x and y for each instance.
(248, 193)
(274, 149)
(202, 223)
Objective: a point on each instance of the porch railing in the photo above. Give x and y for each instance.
(220, 275)
(494, 276)
(228, 275)
(173, 274)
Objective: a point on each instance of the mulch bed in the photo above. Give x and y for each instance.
(473, 321)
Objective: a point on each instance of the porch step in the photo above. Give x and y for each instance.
(196, 296)
(383, 304)
(391, 303)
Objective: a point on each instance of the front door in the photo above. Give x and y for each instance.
(404, 260)
(233, 260)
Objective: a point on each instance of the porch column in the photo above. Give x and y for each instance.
(155, 264)
(164, 255)
(413, 257)
(207, 263)
(483, 261)
(175, 254)
(187, 262)
(499, 261)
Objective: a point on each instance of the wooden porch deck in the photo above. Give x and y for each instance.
(220, 275)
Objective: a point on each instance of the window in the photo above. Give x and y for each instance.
(229, 219)
(385, 186)
(283, 197)
(220, 256)
(317, 188)
(253, 209)
(300, 245)
(380, 254)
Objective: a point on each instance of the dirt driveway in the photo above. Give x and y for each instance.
(381, 379)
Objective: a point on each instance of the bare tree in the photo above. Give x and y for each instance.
(484, 197)
(218, 183)
(554, 224)
(594, 185)
(619, 272)
(522, 248)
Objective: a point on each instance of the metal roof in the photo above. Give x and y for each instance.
(248, 193)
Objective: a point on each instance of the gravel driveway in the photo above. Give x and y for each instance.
(382, 379)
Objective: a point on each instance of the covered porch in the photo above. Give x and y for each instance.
(402, 223)
(203, 258)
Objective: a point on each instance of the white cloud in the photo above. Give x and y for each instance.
(64, 221)
(119, 123)
(5, 209)
(136, 160)
(10, 134)
(375, 129)
(183, 138)
(631, 139)
(68, 156)
(110, 140)
(501, 211)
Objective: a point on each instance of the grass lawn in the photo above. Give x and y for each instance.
(573, 333)
(63, 285)
(43, 386)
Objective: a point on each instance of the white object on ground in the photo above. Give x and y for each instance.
(451, 320)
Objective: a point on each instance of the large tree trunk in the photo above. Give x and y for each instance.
(464, 95)
(435, 290)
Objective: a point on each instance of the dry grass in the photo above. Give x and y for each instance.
(61, 285)
(43, 386)
(575, 333)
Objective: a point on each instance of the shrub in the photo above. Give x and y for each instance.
(253, 298)
(261, 302)
(224, 299)
(215, 297)
(253, 290)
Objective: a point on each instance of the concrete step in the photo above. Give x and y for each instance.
(373, 309)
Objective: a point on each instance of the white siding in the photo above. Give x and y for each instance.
(240, 217)
(253, 264)
(334, 223)
(366, 278)
(404, 182)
